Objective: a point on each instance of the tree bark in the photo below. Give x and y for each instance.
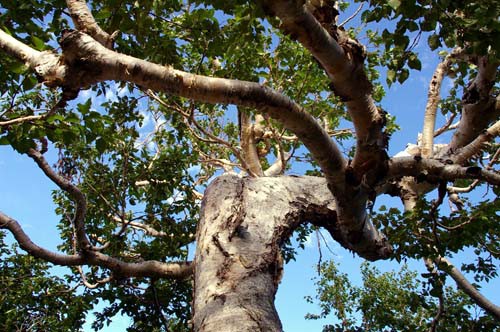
(238, 263)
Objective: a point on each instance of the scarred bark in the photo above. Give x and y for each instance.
(238, 265)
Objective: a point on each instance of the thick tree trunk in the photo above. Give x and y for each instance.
(238, 263)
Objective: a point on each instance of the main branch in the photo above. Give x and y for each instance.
(343, 60)
(87, 62)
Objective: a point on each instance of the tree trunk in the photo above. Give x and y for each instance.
(238, 263)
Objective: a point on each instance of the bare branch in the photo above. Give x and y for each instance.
(87, 284)
(449, 125)
(477, 145)
(26, 244)
(434, 170)
(445, 265)
(353, 15)
(84, 21)
(73, 191)
(61, 103)
(433, 99)
(279, 165)
(178, 270)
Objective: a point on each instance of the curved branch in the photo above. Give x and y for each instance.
(178, 270)
(26, 244)
(90, 62)
(248, 144)
(73, 191)
(342, 58)
(449, 125)
(467, 287)
(84, 21)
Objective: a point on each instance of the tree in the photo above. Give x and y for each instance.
(175, 122)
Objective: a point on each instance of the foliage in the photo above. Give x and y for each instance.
(391, 301)
(33, 299)
(142, 158)
(472, 25)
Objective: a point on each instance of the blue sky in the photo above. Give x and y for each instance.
(25, 195)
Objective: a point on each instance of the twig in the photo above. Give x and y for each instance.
(352, 16)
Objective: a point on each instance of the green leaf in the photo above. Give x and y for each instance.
(394, 4)
(100, 145)
(29, 82)
(391, 75)
(414, 63)
(434, 41)
(38, 43)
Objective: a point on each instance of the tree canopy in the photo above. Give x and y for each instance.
(197, 144)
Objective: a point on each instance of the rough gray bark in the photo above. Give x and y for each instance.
(238, 263)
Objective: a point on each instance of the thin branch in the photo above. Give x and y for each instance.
(441, 310)
(445, 265)
(158, 306)
(437, 170)
(449, 125)
(353, 15)
(212, 139)
(179, 270)
(87, 284)
(77, 196)
(60, 104)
